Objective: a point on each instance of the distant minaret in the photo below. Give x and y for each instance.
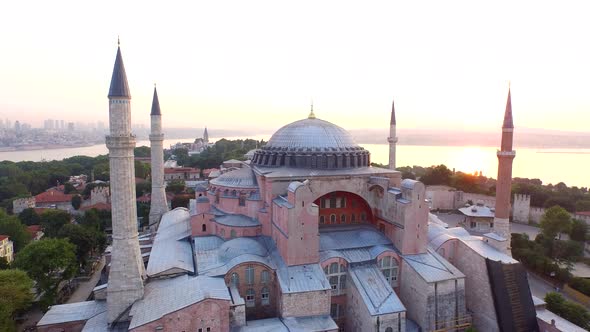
(503, 186)
(158, 205)
(392, 139)
(126, 275)
(206, 137)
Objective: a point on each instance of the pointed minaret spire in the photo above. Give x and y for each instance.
(392, 122)
(392, 139)
(119, 87)
(508, 113)
(206, 136)
(155, 103)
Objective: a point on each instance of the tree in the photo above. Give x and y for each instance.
(583, 205)
(175, 186)
(579, 230)
(76, 202)
(29, 217)
(53, 220)
(142, 170)
(555, 221)
(11, 226)
(15, 295)
(437, 175)
(48, 262)
(82, 238)
(180, 201)
(4, 265)
(571, 311)
(69, 188)
(142, 151)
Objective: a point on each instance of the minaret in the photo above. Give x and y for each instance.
(126, 275)
(158, 205)
(504, 183)
(392, 139)
(206, 137)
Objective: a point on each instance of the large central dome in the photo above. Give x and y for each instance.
(312, 143)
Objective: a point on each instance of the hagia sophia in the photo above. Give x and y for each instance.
(306, 237)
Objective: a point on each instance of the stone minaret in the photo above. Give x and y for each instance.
(206, 137)
(126, 275)
(392, 139)
(158, 205)
(503, 186)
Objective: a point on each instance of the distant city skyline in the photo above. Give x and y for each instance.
(258, 65)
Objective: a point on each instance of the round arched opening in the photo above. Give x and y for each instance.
(342, 207)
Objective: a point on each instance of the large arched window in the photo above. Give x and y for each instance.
(265, 296)
(322, 220)
(332, 219)
(232, 234)
(336, 274)
(389, 267)
(235, 279)
(343, 219)
(250, 274)
(353, 218)
(250, 298)
(264, 276)
(363, 216)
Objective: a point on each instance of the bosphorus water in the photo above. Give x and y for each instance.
(550, 165)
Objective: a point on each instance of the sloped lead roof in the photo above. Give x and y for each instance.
(155, 104)
(119, 87)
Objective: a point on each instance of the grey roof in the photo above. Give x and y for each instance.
(302, 278)
(171, 250)
(375, 290)
(438, 235)
(494, 236)
(356, 255)
(432, 267)
(508, 113)
(162, 297)
(237, 220)
(215, 257)
(392, 122)
(239, 178)
(72, 312)
(479, 211)
(314, 134)
(262, 325)
(350, 237)
(155, 104)
(202, 199)
(289, 172)
(310, 323)
(119, 87)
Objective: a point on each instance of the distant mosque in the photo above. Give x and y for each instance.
(307, 237)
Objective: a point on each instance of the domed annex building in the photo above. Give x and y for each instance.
(306, 237)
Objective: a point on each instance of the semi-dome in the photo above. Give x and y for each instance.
(312, 143)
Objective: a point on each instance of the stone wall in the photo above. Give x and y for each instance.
(414, 292)
(305, 304)
(18, 205)
(521, 207)
(210, 313)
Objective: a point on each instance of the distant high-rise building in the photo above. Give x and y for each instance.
(17, 126)
(70, 126)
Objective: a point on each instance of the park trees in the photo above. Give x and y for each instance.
(29, 217)
(76, 202)
(48, 262)
(53, 220)
(436, 175)
(15, 295)
(555, 221)
(11, 226)
(571, 311)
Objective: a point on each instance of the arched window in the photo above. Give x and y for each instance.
(363, 216)
(389, 329)
(343, 219)
(250, 302)
(322, 220)
(265, 296)
(242, 199)
(235, 279)
(222, 233)
(353, 218)
(389, 267)
(217, 197)
(332, 219)
(264, 276)
(336, 274)
(343, 202)
(204, 228)
(250, 274)
(232, 234)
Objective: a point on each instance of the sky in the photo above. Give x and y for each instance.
(256, 65)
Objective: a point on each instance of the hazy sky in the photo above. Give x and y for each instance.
(257, 64)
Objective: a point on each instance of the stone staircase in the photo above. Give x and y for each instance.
(514, 298)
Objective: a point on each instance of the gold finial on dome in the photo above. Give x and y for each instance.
(311, 114)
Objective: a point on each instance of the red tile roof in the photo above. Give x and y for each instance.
(2, 237)
(181, 170)
(583, 213)
(34, 229)
(98, 206)
(53, 196)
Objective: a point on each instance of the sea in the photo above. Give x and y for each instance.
(570, 166)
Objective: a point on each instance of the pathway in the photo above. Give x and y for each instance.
(85, 287)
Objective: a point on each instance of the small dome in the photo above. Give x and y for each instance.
(311, 143)
(239, 178)
(240, 246)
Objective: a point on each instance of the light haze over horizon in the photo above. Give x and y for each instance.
(257, 64)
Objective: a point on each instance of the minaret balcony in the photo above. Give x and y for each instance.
(156, 137)
(501, 153)
(120, 142)
(392, 139)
